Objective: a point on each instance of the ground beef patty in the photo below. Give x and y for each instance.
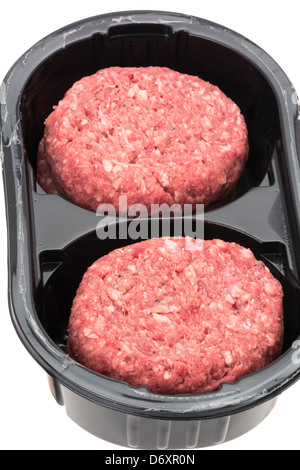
(177, 315)
(150, 133)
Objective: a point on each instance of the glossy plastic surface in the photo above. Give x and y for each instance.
(52, 242)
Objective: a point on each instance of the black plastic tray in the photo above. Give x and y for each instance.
(52, 242)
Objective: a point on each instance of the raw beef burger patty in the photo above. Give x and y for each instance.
(151, 134)
(177, 315)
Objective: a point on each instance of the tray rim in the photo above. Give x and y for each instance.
(21, 304)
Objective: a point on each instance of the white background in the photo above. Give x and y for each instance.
(29, 416)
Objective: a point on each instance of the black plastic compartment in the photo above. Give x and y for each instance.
(52, 242)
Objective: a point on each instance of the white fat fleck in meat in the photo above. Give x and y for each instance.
(159, 85)
(110, 308)
(167, 375)
(227, 357)
(236, 291)
(117, 169)
(131, 268)
(66, 121)
(89, 333)
(269, 288)
(229, 299)
(171, 245)
(125, 348)
(164, 179)
(135, 90)
(143, 94)
(113, 293)
(103, 118)
(221, 244)
(206, 122)
(161, 318)
(107, 165)
(190, 274)
(271, 340)
(161, 308)
(225, 148)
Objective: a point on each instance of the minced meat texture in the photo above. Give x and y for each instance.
(177, 315)
(151, 134)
